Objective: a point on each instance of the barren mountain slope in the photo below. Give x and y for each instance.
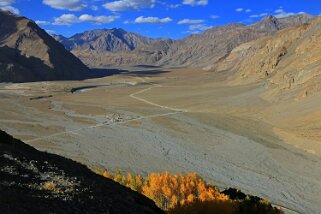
(289, 64)
(112, 40)
(296, 20)
(28, 53)
(289, 60)
(116, 47)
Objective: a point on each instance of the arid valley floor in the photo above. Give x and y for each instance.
(179, 121)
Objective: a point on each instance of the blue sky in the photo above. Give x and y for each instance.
(154, 18)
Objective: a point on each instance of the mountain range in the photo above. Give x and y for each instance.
(116, 47)
(284, 53)
(28, 53)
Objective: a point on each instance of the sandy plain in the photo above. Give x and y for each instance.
(184, 120)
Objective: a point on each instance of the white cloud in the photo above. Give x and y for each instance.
(7, 5)
(94, 8)
(174, 5)
(72, 5)
(123, 5)
(258, 15)
(152, 20)
(280, 13)
(199, 27)
(6, 2)
(192, 32)
(50, 32)
(69, 19)
(11, 9)
(38, 22)
(195, 2)
(215, 16)
(243, 10)
(66, 19)
(190, 21)
(97, 19)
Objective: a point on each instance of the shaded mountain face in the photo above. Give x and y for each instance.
(36, 181)
(28, 53)
(116, 47)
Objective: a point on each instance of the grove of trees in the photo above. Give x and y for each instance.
(189, 193)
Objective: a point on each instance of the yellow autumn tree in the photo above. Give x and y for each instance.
(187, 193)
(169, 191)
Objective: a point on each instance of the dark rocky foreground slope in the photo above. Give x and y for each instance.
(28, 53)
(37, 182)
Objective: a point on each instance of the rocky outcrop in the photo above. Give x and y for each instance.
(37, 182)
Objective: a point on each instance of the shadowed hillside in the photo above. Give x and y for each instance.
(28, 53)
(38, 182)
